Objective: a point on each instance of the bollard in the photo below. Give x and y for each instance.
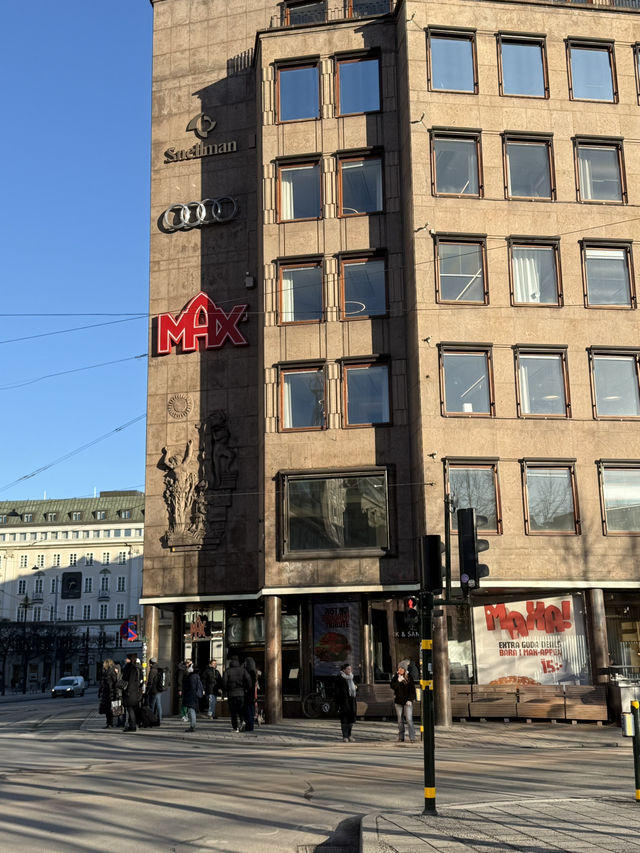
(635, 713)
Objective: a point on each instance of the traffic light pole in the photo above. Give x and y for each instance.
(426, 683)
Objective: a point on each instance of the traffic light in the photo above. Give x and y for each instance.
(412, 611)
(432, 572)
(469, 546)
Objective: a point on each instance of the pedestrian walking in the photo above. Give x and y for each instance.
(346, 701)
(119, 718)
(131, 691)
(152, 692)
(107, 691)
(212, 682)
(251, 695)
(404, 695)
(181, 671)
(236, 682)
(192, 693)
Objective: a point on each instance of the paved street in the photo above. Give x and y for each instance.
(67, 784)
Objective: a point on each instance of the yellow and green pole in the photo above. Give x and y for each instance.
(426, 683)
(635, 713)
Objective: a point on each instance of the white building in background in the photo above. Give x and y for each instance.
(75, 564)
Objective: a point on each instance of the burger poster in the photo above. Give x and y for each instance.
(336, 637)
(537, 641)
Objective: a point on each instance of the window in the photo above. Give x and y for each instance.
(302, 398)
(366, 394)
(73, 559)
(106, 533)
(119, 610)
(76, 516)
(298, 93)
(363, 288)
(127, 532)
(466, 381)
(306, 13)
(75, 534)
(28, 516)
(139, 531)
(3, 519)
(22, 614)
(54, 585)
(121, 583)
(22, 586)
(636, 63)
(125, 513)
(301, 293)
(528, 168)
(534, 273)
(550, 498)
(455, 164)
(362, 8)
(460, 271)
(51, 516)
(360, 185)
(86, 534)
(122, 558)
(40, 561)
(615, 384)
(104, 611)
(522, 67)
(599, 172)
(37, 613)
(542, 387)
(620, 488)
(475, 485)
(592, 74)
(335, 513)
(105, 558)
(86, 612)
(88, 559)
(96, 534)
(104, 583)
(100, 514)
(24, 561)
(55, 562)
(452, 61)
(70, 612)
(299, 187)
(358, 82)
(607, 275)
(88, 585)
(44, 535)
(38, 586)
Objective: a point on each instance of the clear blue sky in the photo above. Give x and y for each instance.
(74, 234)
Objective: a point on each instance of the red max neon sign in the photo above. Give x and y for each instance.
(200, 320)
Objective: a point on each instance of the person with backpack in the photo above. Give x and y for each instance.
(212, 682)
(154, 687)
(236, 683)
(192, 693)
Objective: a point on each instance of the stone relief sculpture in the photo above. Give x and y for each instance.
(197, 485)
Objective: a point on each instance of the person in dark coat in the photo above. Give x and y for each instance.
(192, 692)
(132, 690)
(404, 695)
(212, 682)
(181, 671)
(236, 683)
(251, 695)
(346, 701)
(107, 691)
(152, 694)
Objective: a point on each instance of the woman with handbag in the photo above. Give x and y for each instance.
(107, 691)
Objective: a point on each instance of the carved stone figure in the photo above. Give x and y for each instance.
(183, 494)
(222, 456)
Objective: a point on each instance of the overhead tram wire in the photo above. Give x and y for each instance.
(72, 370)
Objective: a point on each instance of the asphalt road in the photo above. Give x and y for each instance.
(67, 784)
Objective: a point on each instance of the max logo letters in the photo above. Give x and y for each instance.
(201, 320)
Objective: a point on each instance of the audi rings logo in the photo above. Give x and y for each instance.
(195, 214)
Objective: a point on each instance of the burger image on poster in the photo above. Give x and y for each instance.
(332, 646)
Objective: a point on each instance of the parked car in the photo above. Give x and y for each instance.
(70, 685)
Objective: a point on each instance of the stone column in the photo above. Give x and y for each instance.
(367, 662)
(273, 657)
(598, 636)
(177, 653)
(441, 680)
(151, 630)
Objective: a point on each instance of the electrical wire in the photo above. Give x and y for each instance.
(72, 370)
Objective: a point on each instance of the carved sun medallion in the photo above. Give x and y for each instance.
(179, 406)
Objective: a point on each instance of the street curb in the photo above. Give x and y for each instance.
(369, 833)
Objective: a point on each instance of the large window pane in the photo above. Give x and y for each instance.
(599, 173)
(361, 182)
(466, 382)
(461, 272)
(474, 487)
(367, 394)
(336, 513)
(616, 384)
(542, 388)
(535, 278)
(456, 164)
(528, 170)
(607, 276)
(359, 86)
(298, 93)
(303, 399)
(621, 488)
(300, 192)
(301, 294)
(591, 73)
(364, 288)
(307, 13)
(360, 8)
(550, 499)
(452, 63)
(522, 68)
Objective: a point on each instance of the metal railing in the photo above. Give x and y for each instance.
(295, 15)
